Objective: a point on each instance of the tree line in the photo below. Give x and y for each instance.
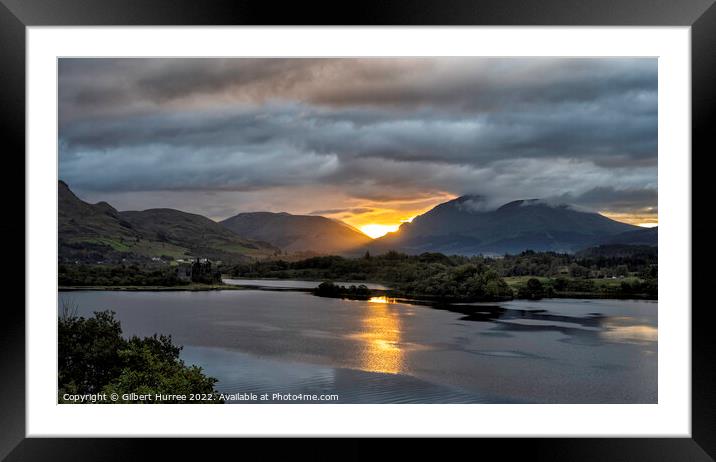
(634, 270)
(598, 263)
(137, 275)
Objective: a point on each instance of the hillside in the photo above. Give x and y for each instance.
(298, 233)
(98, 232)
(465, 226)
(640, 236)
(198, 234)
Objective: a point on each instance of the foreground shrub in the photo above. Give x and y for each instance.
(93, 357)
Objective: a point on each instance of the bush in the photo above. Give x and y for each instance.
(533, 290)
(93, 357)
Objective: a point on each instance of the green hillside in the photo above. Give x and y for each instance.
(91, 233)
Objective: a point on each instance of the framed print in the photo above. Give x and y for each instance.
(445, 222)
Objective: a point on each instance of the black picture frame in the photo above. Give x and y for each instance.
(700, 15)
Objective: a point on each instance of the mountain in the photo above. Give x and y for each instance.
(200, 235)
(467, 226)
(297, 233)
(98, 232)
(640, 236)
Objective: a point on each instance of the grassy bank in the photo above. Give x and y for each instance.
(565, 287)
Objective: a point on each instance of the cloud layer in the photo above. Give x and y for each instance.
(364, 139)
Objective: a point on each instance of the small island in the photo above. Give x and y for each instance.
(353, 292)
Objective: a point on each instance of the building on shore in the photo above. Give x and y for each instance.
(200, 270)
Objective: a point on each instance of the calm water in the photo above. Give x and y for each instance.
(260, 341)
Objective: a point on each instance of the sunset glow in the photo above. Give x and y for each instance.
(644, 218)
(376, 231)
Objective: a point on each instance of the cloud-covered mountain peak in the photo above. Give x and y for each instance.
(468, 225)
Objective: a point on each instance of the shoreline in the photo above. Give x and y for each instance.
(187, 288)
(374, 292)
(396, 293)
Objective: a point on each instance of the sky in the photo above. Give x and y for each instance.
(369, 141)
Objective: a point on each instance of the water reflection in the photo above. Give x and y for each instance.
(382, 299)
(630, 334)
(381, 335)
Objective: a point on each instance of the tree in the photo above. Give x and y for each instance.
(497, 288)
(533, 290)
(152, 365)
(88, 352)
(578, 271)
(327, 289)
(94, 357)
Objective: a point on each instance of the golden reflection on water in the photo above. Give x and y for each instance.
(628, 334)
(381, 335)
(382, 299)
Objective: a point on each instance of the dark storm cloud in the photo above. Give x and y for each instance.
(90, 86)
(617, 200)
(613, 136)
(381, 129)
(473, 84)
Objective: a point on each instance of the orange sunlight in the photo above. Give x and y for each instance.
(645, 219)
(378, 218)
(376, 231)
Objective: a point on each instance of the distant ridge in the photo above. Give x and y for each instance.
(298, 233)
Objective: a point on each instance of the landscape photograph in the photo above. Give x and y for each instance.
(433, 230)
